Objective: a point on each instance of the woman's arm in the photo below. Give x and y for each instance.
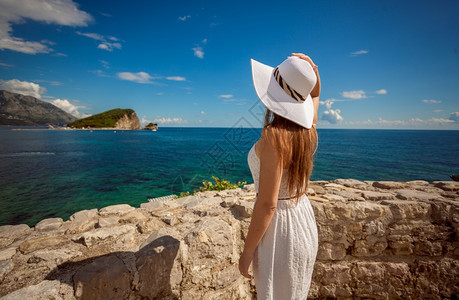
(315, 96)
(265, 206)
(315, 93)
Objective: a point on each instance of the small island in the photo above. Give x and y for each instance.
(151, 126)
(112, 119)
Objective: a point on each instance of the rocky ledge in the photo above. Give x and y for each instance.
(378, 240)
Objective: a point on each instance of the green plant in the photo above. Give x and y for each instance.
(220, 184)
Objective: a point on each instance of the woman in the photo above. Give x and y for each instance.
(282, 240)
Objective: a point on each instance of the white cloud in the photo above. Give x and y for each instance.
(203, 112)
(170, 121)
(381, 121)
(64, 12)
(6, 65)
(331, 115)
(198, 52)
(105, 64)
(359, 52)
(411, 123)
(139, 77)
(69, 107)
(100, 73)
(143, 77)
(19, 45)
(50, 82)
(104, 45)
(94, 36)
(204, 41)
(23, 87)
(227, 98)
(109, 46)
(454, 117)
(176, 78)
(381, 92)
(145, 120)
(431, 101)
(438, 110)
(431, 121)
(328, 103)
(354, 94)
(184, 18)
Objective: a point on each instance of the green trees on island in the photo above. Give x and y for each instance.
(106, 119)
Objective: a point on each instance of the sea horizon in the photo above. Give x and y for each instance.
(223, 127)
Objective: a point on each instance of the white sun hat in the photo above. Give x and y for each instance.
(286, 89)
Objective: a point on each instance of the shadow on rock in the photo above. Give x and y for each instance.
(152, 272)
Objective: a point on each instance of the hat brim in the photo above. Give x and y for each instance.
(276, 99)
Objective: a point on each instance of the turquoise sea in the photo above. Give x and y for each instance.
(54, 173)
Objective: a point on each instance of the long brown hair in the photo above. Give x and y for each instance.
(295, 145)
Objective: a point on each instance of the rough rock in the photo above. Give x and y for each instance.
(7, 253)
(45, 242)
(132, 217)
(416, 195)
(331, 251)
(351, 183)
(350, 195)
(6, 266)
(387, 185)
(376, 196)
(209, 203)
(96, 236)
(403, 209)
(54, 257)
(119, 210)
(107, 277)
(333, 186)
(249, 188)
(156, 205)
(160, 272)
(447, 185)
(14, 231)
(44, 290)
(229, 201)
(244, 208)
(49, 224)
(333, 197)
(82, 221)
(108, 221)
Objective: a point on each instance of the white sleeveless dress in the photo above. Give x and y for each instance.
(284, 259)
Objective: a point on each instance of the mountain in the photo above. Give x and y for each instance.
(17, 109)
(116, 118)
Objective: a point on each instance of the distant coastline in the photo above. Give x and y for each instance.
(259, 128)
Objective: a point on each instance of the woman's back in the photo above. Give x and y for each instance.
(254, 165)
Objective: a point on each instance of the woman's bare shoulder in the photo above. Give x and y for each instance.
(265, 149)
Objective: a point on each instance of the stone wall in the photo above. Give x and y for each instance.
(378, 240)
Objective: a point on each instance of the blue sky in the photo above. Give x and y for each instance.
(383, 64)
